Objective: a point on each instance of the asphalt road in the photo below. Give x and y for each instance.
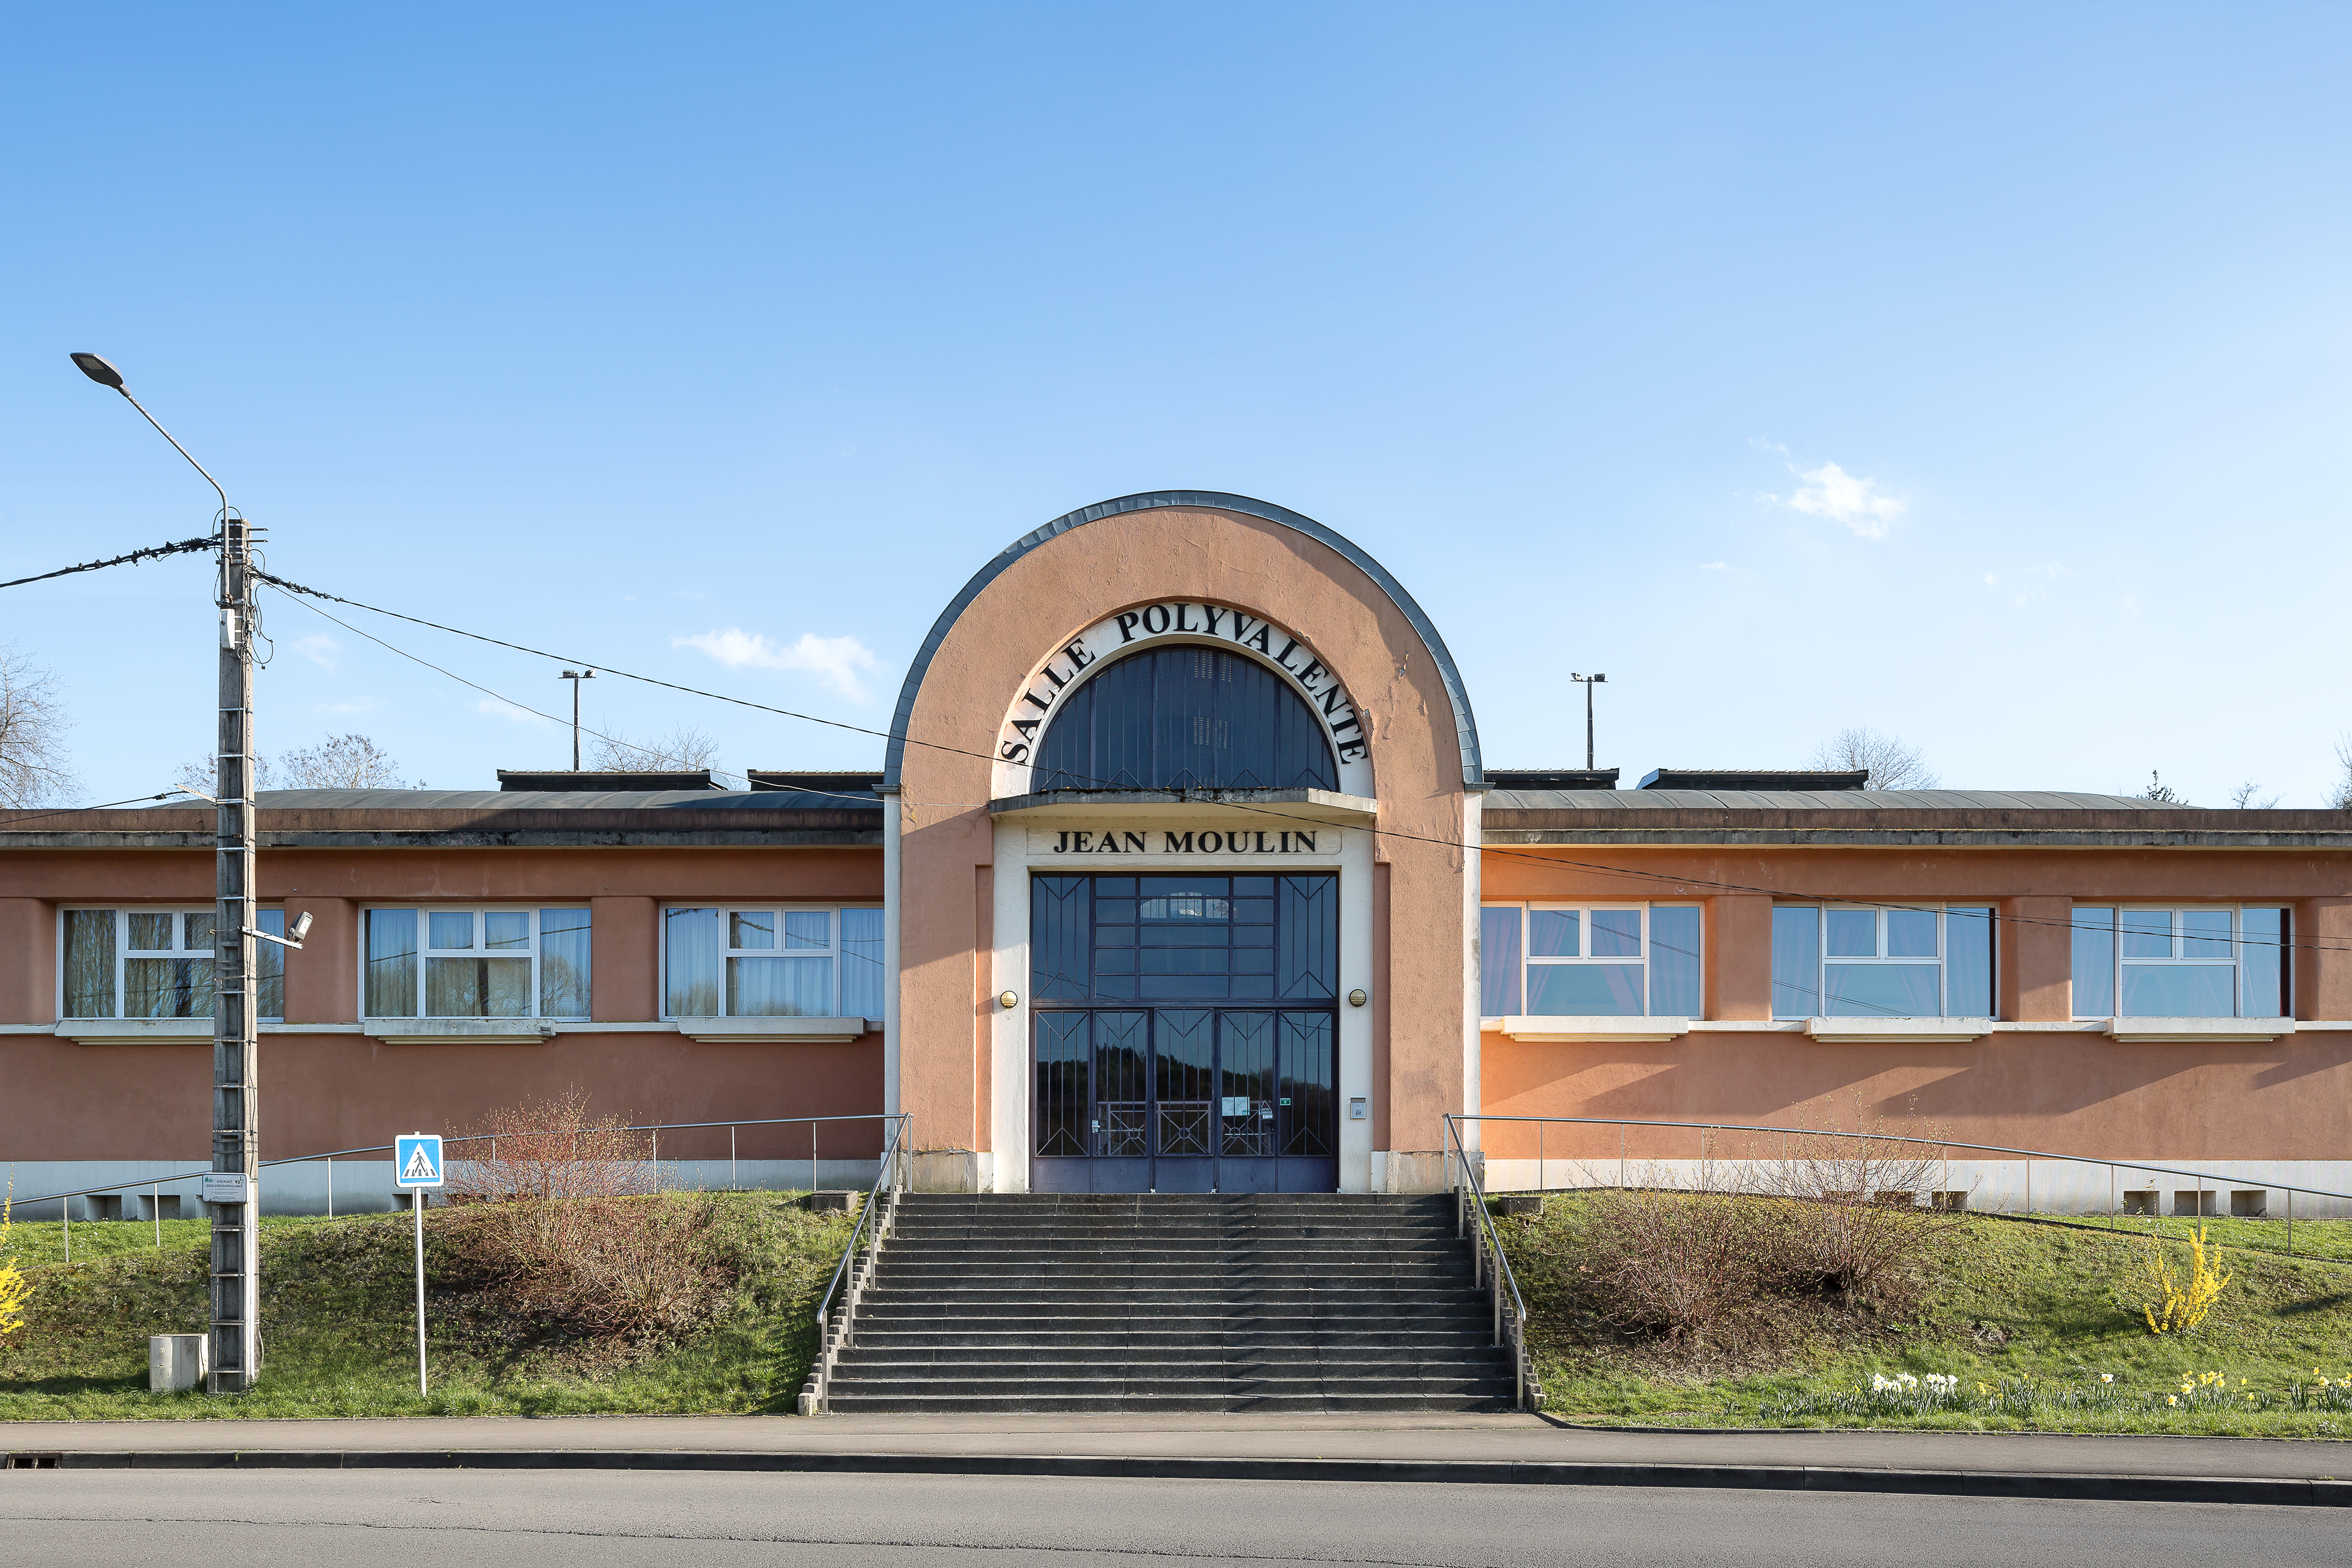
(443, 1519)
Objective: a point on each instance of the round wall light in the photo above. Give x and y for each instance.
(1009, 999)
(1357, 998)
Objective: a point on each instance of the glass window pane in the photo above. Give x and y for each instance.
(752, 928)
(194, 982)
(690, 962)
(1967, 962)
(1060, 921)
(477, 988)
(507, 930)
(1558, 989)
(2148, 933)
(1306, 938)
(196, 933)
(2095, 963)
(2261, 964)
(563, 963)
(1883, 990)
(1910, 933)
(90, 964)
(147, 988)
(861, 963)
(2205, 933)
(1616, 933)
(1552, 933)
(447, 929)
(2177, 991)
(151, 932)
(1498, 960)
(505, 987)
(780, 988)
(806, 929)
(269, 966)
(1854, 933)
(1796, 963)
(1673, 963)
(391, 964)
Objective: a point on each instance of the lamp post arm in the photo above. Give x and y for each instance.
(177, 447)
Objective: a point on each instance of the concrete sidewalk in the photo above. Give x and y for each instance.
(1404, 1445)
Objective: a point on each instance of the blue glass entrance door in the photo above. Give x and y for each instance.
(1186, 1034)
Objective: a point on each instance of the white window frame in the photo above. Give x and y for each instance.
(728, 952)
(123, 952)
(2179, 960)
(1881, 959)
(425, 951)
(1528, 959)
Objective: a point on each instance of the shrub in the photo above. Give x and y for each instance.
(2180, 1304)
(14, 1289)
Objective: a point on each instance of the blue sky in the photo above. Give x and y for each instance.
(1976, 372)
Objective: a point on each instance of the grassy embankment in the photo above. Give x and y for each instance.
(2026, 1316)
(340, 1329)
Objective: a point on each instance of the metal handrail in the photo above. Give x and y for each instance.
(1522, 1387)
(467, 1138)
(874, 1213)
(1926, 1142)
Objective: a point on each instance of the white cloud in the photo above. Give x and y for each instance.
(318, 649)
(835, 660)
(1859, 503)
(498, 708)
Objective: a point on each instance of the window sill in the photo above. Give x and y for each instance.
(2207, 1031)
(775, 1031)
(137, 1031)
(1898, 1031)
(1596, 1029)
(460, 1031)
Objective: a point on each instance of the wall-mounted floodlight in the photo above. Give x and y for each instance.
(294, 934)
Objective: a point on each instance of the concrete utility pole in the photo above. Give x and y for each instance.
(1587, 683)
(233, 1190)
(576, 677)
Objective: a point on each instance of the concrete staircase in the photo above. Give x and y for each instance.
(1321, 1301)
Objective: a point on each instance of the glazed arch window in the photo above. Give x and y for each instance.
(1870, 961)
(2185, 961)
(772, 960)
(1186, 718)
(156, 963)
(481, 963)
(1555, 960)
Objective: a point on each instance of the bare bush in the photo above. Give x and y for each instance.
(1890, 763)
(561, 1219)
(1858, 1227)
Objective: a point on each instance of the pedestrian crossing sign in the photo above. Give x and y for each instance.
(416, 1159)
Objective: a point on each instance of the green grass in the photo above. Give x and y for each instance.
(339, 1328)
(2027, 1317)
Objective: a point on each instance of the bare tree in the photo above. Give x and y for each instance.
(2340, 798)
(1890, 763)
(2243, 797)
(344, 761)
(684, 749)
(33, 769)
(201, 775)
(2158, 790)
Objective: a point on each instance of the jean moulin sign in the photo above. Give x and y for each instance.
(1323, 841)
(1183, 622)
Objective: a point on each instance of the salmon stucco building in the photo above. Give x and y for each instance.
(1183, 872)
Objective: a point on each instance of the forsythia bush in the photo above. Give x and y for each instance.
(14, 1289)
(2180, 1305)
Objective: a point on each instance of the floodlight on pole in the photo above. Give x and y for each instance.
(235, 1276)
(576, 677)
(1587, 683)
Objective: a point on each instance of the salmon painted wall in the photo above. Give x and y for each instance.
(1050, 595)
(342, 1089)
(2065, 1090)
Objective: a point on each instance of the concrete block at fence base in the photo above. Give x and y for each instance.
(1522, 1205)
(176, 1362)
(845, 1202)
(946, 1171)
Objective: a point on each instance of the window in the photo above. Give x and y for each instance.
(156, 963)
(2182, 962)
(1178, 717)
(475, 963)
(771, 962)
(1865, 961)
(1545, 960)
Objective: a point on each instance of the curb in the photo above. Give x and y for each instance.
(2057, 1485)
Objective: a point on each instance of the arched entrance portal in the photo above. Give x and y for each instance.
(1185, 1027)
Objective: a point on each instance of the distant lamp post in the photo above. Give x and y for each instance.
(1587, 683)
(576, 677)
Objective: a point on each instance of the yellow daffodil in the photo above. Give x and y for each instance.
(2172, 1399)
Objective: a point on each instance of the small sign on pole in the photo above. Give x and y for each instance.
(415, 1167)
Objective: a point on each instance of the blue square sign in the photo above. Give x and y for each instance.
(416, 1159)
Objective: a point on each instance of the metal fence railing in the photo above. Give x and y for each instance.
(1490, 1268)
(856, 1270)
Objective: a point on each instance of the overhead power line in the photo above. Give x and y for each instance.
(1499, 851)
(177, 547)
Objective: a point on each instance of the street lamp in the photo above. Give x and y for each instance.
(576, 677)
(1587, 683)
(232, 1189)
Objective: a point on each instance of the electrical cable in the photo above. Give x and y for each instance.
(1497, 850)
(151, 552)
(9, 821)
